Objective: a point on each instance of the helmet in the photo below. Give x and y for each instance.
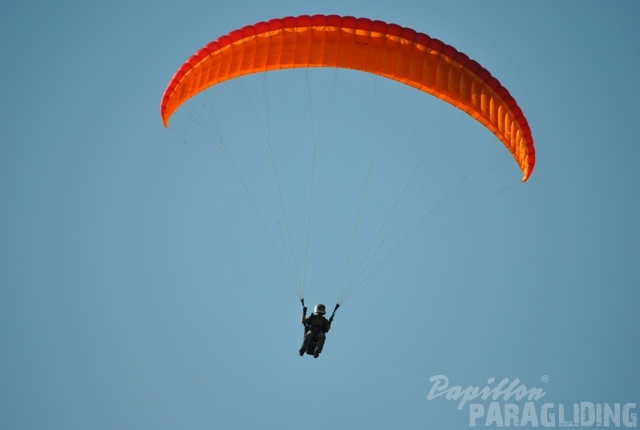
(319, 309)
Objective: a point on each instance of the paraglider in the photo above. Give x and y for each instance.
(344, 42)
(316, 327)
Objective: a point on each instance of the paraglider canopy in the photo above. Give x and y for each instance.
(388, 50)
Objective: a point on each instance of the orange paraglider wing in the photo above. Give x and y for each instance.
(389, 50)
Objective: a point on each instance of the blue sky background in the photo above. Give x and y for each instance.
(132, 296)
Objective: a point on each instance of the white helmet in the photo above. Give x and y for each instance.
(319, 309)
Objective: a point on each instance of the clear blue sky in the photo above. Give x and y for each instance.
(132, 296)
